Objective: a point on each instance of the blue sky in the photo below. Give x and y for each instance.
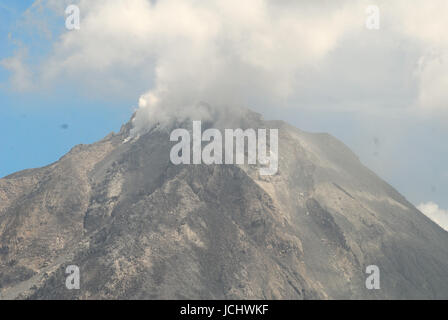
(38, 129)
(358, 88)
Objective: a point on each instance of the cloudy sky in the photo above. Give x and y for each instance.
(312, 63)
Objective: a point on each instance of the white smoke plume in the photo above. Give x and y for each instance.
(252, 52)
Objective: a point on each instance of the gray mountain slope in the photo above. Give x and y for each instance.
(140, 227)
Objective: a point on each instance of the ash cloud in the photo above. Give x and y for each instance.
(257, 53)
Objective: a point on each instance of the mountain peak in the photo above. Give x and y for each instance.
(138, 226)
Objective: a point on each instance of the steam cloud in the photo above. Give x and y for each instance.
(253, 52)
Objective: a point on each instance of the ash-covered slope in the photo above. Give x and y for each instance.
(140, 227)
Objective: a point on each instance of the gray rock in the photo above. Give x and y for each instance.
(140, 227)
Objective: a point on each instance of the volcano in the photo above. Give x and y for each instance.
(140, 227)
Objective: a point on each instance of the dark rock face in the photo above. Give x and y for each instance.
(140, 227)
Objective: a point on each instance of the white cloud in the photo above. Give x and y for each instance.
(227, 52)
(435, 213)
(425, 22)
(20, 74)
